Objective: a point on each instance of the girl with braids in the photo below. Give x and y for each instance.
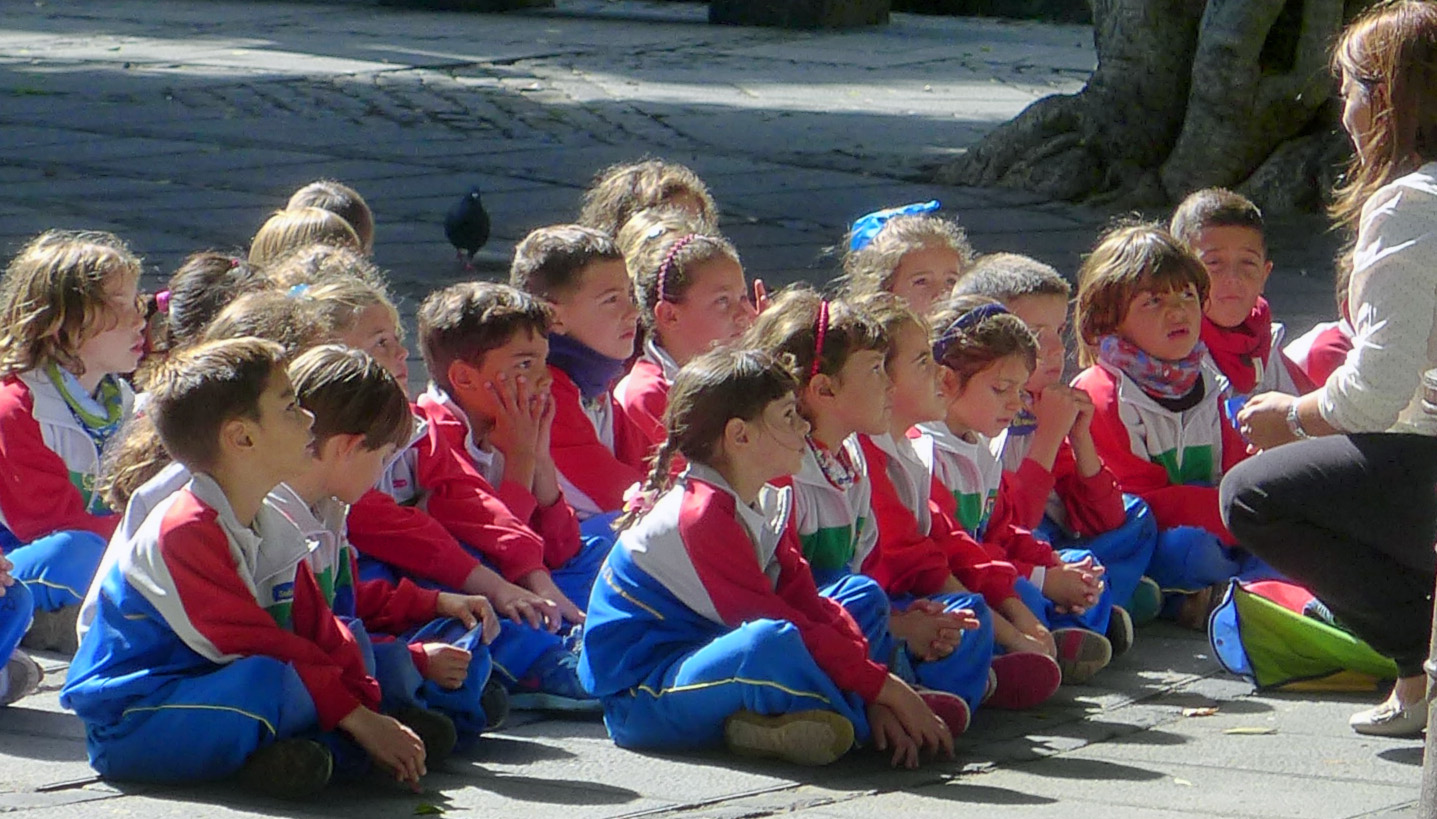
(691, 294)
(986, 355)
(706, 626)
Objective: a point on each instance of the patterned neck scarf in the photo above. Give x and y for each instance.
(836, 466)
(1169, 380)
(99, 414)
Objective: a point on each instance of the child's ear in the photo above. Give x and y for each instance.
(736, 434)
(556, 318)
(342, 446)
(665, 315)
(949, 382)
(464, 378)
(822, 386)
(235, 435)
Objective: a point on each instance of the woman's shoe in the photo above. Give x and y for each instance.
(1387, 720)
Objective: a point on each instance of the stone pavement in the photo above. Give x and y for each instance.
(181, 124)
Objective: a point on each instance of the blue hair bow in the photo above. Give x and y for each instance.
(868, 226)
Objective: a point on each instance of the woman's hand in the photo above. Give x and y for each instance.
(1263, 421)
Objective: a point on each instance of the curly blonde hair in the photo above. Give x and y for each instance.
(870, 268)
(620, 191)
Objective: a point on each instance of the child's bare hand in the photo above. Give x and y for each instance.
(517, 418)
(930, 632)
(390, 743)
(889, 735)
(523, 606)
(1074, 587)
(471, 610)
(540, 583)
(1056, 407)
(545, 405)
(448, 665)
(1083, 424)
(6, 581)
(918, 721)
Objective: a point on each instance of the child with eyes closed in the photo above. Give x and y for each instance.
(692, 297)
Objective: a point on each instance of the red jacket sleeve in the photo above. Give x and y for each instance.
(905, 561)
(407, 538)
(1023, 495)
(1095, 504)
(467, 506)
(582, 458)
(643, 400)
(222, 609)
(1171, 505)
(36, 495)
(1328, 352)
(969, 562)
(742, 592)
(387, 608)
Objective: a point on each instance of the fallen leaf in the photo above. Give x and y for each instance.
(1253, 730)
(1207, 711)
(426, 809)
(1180, 781)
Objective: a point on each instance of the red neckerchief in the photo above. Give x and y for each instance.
(1236, 349)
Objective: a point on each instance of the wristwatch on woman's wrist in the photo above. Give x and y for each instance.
(1294, 423)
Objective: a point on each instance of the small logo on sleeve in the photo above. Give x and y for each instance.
(283, 592)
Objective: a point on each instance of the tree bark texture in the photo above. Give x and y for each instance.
(1187, 94)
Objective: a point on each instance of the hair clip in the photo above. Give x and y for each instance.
(234, 262)
(972, 318)
(668, 263)
(298, 291)
(820, 333)
(162, 302)
(866, 229)
(655, 232)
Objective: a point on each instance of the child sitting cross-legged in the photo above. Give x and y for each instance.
(922, 552)
(1054, 482)
(485, 346)
(213, 650)
(986, 355)
(837, 352)
(441, 660)
(1158, 420)
(706, 627)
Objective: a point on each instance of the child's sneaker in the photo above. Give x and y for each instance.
(288, 769)
(434, 728)
(1146, 603)
(494, 701)
(54, 631)
(1081, 653)
(803, 737)
(949, 707)
(1120, 631)
(22, 677)
(1024, 679)
(553, 685)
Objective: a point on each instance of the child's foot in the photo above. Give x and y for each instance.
(1146, 602)
(434, 728)
(1081, 653)
(552, 684)
(1120, 631)
(494, 700)
(803, 737)
(1024, 679)
(288, 769)
(22, 678)
(949, 707)
(54, 631)
(1196, 608)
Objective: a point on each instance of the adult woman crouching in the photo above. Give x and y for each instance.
(1343, 499)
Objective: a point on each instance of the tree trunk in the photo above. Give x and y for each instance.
(1187, 94)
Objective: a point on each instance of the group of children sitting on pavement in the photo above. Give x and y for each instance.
(636, 484)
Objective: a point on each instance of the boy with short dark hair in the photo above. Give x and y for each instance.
(485, 345)
(580, 273)
(1225, 231)
(213, 650)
